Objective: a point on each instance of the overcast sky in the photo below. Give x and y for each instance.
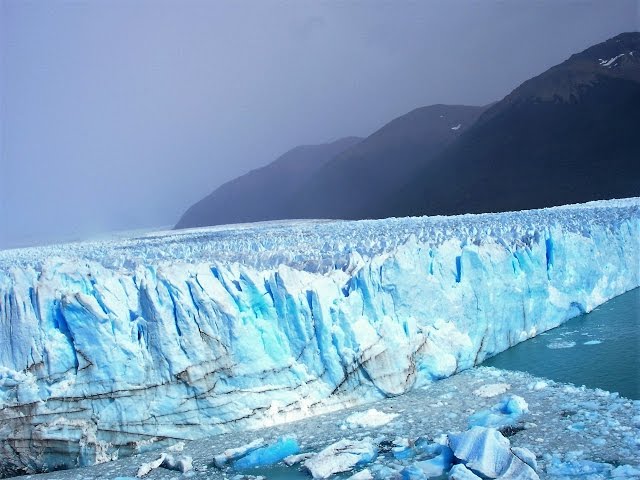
(120, 114)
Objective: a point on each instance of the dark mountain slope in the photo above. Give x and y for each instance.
(347, 185)
(569, 135)
(262, 194)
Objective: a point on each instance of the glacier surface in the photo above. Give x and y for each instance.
(107, 347)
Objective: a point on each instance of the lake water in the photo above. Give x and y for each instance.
(600, 349)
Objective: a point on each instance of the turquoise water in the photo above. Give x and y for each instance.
(600, 349)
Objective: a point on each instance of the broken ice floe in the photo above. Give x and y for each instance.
(507, 412)
(231, 454)
(432, 467)
(460, 472)
(371, 418)
(491, 389)
(567, 429)
(269, 454)
(180, 464)
(487, 452)
(145, 468)
(362, 475)
(341, 456)
(557, 345)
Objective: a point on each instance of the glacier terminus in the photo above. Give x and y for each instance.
(108, 346)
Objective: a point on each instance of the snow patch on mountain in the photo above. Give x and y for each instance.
(611, 61)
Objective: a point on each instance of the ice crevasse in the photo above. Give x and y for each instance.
(109, 346)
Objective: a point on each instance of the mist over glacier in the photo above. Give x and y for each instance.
(180, 335)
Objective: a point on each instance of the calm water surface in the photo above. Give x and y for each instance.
(600, 349)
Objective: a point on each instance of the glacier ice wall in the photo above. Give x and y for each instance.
(106, 347)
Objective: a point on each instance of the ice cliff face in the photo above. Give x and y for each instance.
(109, 346)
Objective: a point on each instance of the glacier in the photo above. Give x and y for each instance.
(108, 347)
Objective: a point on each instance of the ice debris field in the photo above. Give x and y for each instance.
(109, 347)
(481, 423)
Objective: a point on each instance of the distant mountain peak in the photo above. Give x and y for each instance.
(568, 135)
(618, 57)
(618, 46)
(263, 193)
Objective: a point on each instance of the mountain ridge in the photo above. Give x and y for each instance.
(564, 136)
(534, 151)
(261, 193)
(385, 160)
(433, 126)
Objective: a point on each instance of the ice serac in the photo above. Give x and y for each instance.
(109, 347)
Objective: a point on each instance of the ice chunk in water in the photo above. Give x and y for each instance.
(578, 467)
(371, 418)
(145, 468)
(231, 454)
(483, 450)
(181, 464)
(341, 457)
(438, 465)
(507, 412)
(460, 472)
(487, 453)
(269, 455)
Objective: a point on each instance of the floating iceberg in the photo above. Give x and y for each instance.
(484, 451)
(491, 390)
(579, 468)
(370, 418)
(341, 456)
(181, 464)
(231, 454)
(268, 455)
(437, 465)
(505, 413)
(180, 335)
(460, 472)
(362, 475)
(146, 468)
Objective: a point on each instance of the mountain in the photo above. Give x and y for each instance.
(336, 180)
(568, 135)
(262, 194)
(346, 186)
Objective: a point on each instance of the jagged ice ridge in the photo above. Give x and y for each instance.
(108, 346)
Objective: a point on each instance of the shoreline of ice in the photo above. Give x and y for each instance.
(566, 427)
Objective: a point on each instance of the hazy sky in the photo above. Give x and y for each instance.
(120, 114)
